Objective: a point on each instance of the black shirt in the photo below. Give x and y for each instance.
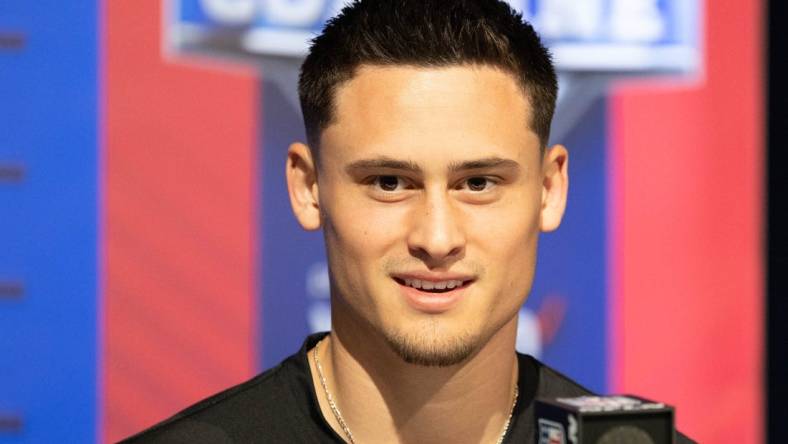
(280, 405)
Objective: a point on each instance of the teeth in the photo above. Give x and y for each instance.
(429, 285)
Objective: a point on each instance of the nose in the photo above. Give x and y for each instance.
(437, 236)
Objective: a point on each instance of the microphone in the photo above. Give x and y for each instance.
(623, 419)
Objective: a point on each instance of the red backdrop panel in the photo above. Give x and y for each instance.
(686, 224)
(180, 222)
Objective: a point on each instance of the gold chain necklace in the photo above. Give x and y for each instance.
(338, 415)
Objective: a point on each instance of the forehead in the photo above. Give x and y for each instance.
(413, 109)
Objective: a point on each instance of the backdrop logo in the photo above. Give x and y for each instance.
(305, 14)
(608, 35)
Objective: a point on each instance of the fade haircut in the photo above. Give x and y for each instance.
(429, 34)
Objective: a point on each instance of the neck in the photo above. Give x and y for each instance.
(384, 399)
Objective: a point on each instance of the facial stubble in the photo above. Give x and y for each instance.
(428, 346)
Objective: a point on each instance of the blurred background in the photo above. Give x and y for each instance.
(148, 256)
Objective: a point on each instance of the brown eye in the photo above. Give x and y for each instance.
(477, 183)
(388, 183)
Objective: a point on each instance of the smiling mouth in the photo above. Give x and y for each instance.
(433, 286)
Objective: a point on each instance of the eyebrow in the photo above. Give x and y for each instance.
(485, 163)
(383, 163)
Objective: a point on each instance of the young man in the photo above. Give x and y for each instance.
(428, 171)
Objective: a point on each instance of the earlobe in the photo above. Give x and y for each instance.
(555, 186)
(302, 186)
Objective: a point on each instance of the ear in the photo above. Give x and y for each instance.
(555, 185)
(302, 186)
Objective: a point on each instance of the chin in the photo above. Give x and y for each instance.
(432, 345)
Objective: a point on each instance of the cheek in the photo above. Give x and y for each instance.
(360, 232)
(364, 230)
(504, 239)
(507, 230)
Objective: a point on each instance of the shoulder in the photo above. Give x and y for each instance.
(550, 382)
(247, 409)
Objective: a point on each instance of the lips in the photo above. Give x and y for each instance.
(433, 294)
(433, 285)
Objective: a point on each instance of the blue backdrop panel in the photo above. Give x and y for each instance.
(48, 221)
(571, 263)
(288, 252)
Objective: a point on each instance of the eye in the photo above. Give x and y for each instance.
(389, 183)
(478, 183)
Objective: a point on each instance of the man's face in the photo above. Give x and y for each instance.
(431, 196)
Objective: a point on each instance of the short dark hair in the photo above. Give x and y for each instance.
(425, 33)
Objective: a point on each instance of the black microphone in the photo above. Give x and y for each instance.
(624, 419)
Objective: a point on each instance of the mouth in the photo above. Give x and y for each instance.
(429, 286)
(433, 296)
